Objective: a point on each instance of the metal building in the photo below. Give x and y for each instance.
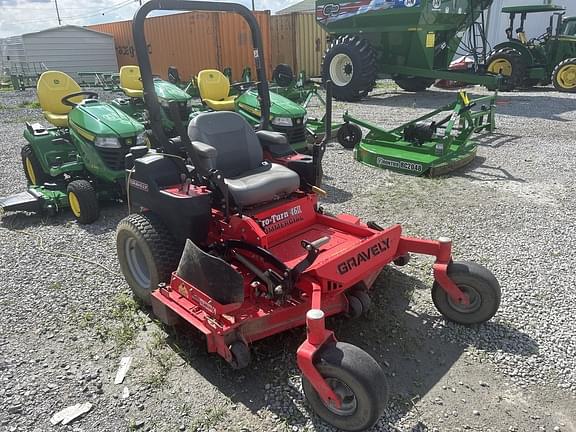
(68, 48)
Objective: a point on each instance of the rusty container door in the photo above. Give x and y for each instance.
(310, 42)
(282, 32)
(192, 41)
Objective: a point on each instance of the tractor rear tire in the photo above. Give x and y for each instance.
(509, 62)
(83, 201)
(350, 63)
(413, 84)
(564, 76)
(357, 378)
(32, 168)
(482, 288)
(147, 252)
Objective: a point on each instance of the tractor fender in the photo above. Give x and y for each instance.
(524, 52)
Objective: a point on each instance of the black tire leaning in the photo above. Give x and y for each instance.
(27, 154)
(363, 64)
(555, 76)
(349, 135)
(519, 68)
(88, 208)
(413, 84)
(160, 252)
(283, 75)
(479, 283)
(361, 374)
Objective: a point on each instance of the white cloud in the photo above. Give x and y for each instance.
(25, 16)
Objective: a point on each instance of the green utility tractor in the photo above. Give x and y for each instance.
(413, 41)
(80, 160)
(550, 57)
(167, 92)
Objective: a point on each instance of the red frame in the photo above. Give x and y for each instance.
(355, 254)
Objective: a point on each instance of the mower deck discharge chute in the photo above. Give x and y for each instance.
(427, 145)
(239, 248)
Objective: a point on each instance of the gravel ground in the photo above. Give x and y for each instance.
(68, 318)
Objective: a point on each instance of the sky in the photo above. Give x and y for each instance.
(25, 16)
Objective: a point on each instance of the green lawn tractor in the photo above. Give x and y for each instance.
(79, 161)
(133, 103)
(432, 145)
(550, 57)
(413, 41)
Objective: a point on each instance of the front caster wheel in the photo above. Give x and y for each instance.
(482, 288)
(240, 355)
(359, 381)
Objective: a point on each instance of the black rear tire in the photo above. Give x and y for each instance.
(350, 63)
(357, 378)
(32, 167)
(147, 252)
(83, 201)
(511, 58)
(476, 281)
(349, 135)
(413, 84)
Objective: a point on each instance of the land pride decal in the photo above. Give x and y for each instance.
(364, 256)
(282, 219)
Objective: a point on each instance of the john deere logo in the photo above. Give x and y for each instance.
(436, 4)
(56, 81)
(331, 10)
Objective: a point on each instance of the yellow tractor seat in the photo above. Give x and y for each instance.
(131, 81)
(214, 90)
(52, 86)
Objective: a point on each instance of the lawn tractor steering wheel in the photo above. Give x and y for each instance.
(89, 95)
(244, 86)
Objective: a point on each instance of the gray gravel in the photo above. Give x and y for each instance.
(67, 321)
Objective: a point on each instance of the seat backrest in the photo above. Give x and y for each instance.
(130, 78)
(213, 85)
(233, 138)
(522, 37)
(52, 86)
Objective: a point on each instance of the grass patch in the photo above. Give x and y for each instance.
(208, 419)
(162, 359)
(29, 104)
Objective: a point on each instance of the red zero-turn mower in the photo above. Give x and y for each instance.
(238, 247)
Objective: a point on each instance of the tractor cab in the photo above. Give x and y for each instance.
(519, 34)
(538, 60)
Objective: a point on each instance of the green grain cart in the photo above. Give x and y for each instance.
(413, 41)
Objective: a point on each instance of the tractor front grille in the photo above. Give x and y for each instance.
(295, 134)
(113, 158)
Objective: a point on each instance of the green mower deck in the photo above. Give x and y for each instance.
(428, 149)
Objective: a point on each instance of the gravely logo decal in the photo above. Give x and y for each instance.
(139, 185)
(364, 256)
(280, 220)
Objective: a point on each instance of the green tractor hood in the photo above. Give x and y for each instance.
(167, 91)
(279, 105)
(93, 118)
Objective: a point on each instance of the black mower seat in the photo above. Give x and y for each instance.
(225, 141)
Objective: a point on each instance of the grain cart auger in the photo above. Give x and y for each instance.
(431, 145)
(413, 41)
(240, 249)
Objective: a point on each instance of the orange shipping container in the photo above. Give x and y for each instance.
(193, 41)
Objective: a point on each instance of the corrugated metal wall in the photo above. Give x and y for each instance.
(193, 41)
(12, 51)
(71, 50)
(299, 41)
